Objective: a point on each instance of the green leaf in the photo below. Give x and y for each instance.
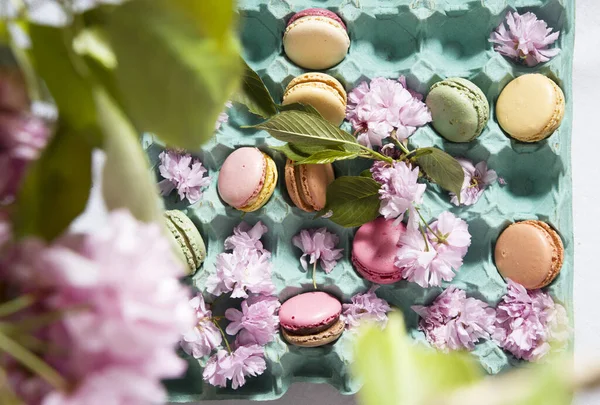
(127, 181)
(64, 73)
(366, 173)
(290, 153)
(254, 94)
(442, 168)
(396, 371)
(57, 186)
(188, 73)
(301, 127)
(327, 156)
(353, 200)
(307, 108)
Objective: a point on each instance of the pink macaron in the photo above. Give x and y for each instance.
(374, 251)
(311, 319)
(247, 179)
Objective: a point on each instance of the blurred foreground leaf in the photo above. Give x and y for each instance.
(396, 371)
(127, 181)
(178, 63)
(57, 186)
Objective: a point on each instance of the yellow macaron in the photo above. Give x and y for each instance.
(323, 92)
(531, 107)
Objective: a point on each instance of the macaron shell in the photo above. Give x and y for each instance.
(319, 339)
(326, 95)
(530, 253)
(270, 181)
(187, 238)
(242, 176)
(316, 12)
(309, 310)
(530, 108)
(315, 179)
(459, 109)
(292, 187)
(316, 42)
(374, 250)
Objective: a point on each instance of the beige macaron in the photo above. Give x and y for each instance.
(530, 253)
(323, 92)
(531, 107)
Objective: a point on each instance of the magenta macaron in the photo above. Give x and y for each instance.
(311, 319)
(374, 251)
(247, 179)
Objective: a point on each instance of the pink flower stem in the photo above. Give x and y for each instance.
(375, 155)
(424, 237)
(437, 235)
(400, 146)
(223, 335)
(314, 275)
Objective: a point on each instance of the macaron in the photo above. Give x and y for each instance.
(325, 93)
(186, 238)
(374, 251)
(311, 319)
(530, 108)
(247, 179)
(530, 253)
(459, 109)
(307, 184)
(316, 39)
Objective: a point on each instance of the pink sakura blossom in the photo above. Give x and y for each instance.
(22, 138)
(241, 272)
(257, 322)
(223, 117)
(245, 361)
(455, 322)
(528, 322)
(125, 326)
(183, 173)
(383, 106)
(428, 258)
(400, 191)
(246, 237)
(318, 244)
(477, 178)
(527, 39)
(365, 307)
(200, 340)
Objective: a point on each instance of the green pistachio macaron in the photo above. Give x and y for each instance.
(187, 239)
(459, 109)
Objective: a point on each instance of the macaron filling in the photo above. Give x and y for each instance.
(316, 80)
(382, 278)
(317, 12)
(311, 329)
(265, 187)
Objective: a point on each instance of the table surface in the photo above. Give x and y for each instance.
(586, 146)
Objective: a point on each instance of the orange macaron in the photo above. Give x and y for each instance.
(530, 253)
(307, 184)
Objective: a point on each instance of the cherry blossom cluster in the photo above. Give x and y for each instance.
(245, 272)
(526, 40)
(182, 172)
(525, 323)
(383, 108)
(366, 307)
(477, 178)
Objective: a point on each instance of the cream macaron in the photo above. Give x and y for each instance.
(530, 108)
(316, 39)
(323, 92)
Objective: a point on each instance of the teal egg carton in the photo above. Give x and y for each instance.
(426, 41)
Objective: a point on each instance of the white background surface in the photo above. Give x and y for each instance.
(586, 193)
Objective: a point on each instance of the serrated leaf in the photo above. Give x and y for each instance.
(254, 94)
(126, 181)
(396, 371)
(301, 127)
(442, 168)
(185, 74)
(300, 107)
(289, 152)
(354, 201)
(57, 186)
(327, 156)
